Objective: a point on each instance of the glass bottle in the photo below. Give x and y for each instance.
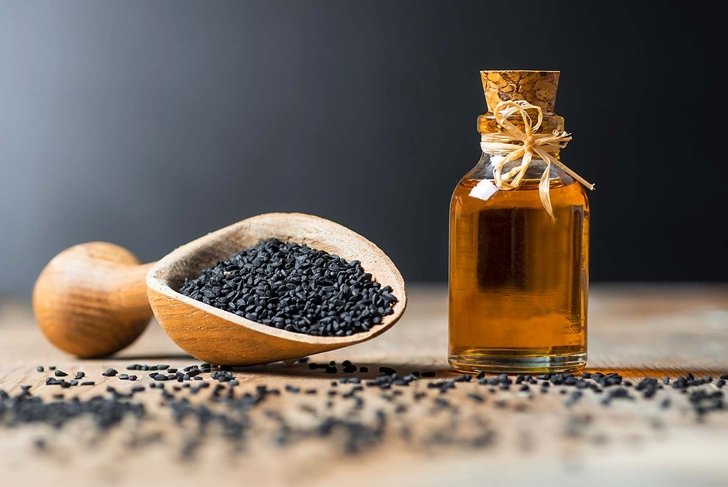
(518, 275)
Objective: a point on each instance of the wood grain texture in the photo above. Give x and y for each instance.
(220, 337)
(636, 329)
(90, 300)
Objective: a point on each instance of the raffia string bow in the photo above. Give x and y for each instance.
(523, 144)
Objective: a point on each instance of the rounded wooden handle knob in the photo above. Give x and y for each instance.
(91, 299)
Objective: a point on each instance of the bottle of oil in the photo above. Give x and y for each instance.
(518, 272)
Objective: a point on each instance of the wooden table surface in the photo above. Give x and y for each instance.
(512, 438)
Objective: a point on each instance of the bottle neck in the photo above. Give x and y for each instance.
(551, 122)
(498, 143)
(502, 146)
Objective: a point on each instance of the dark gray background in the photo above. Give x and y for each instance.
(150, 123)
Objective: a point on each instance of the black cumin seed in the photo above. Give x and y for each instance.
(294, 288)
(109, 373)
(442, 402)
(476, 397)
(231, 410)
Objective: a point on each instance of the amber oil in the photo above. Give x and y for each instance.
(518, 280)
(518, 284)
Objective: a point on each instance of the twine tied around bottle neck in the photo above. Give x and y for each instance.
(523, 144)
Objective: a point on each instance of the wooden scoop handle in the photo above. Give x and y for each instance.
(91, 299)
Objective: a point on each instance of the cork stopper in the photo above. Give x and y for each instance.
(536, 87)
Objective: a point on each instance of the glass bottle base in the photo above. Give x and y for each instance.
(517, 361)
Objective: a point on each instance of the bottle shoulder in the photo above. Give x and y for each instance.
(478, 185)
(484, 194)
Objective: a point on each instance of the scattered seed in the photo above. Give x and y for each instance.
(476, 397)
(230, 409)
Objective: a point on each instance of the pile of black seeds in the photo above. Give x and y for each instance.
(354, 410)
(295, 288)
(106, 412)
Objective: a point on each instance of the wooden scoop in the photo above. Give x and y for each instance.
(91, 300)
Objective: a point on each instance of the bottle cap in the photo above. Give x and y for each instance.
(536, 87)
